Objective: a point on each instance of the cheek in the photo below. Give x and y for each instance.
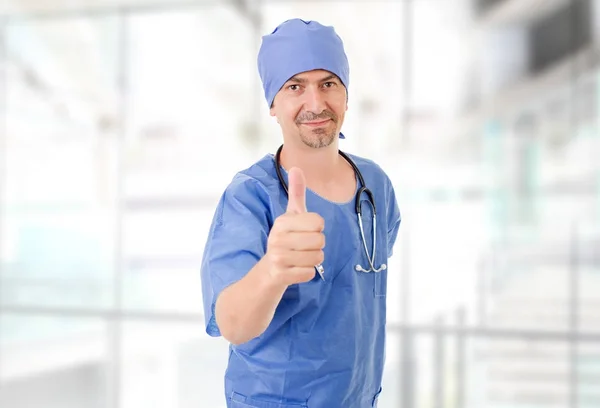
(340, 110)
(285, 116)
(340, 106)
(286, 120)
(291, 115)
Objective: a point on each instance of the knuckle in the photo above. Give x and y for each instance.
(322, 240)
(284, 218)
(275, 229)
(272, 239)
(314, 221)
(282, 241)
(284, 221)
(275, 239)
(320, 222)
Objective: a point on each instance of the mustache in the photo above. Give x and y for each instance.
(310, 117)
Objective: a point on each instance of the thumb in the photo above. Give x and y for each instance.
(296, 191)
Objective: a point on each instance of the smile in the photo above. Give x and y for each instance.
(316, 124)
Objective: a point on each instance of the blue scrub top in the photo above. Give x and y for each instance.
(325, 347)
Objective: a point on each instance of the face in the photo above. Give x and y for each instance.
(310, 107)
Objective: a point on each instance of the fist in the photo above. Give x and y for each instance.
(296, 241)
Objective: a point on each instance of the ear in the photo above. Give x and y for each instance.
(273, 114)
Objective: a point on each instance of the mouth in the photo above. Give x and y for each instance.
(317, 123)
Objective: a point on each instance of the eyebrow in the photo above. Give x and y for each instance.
(303, 80)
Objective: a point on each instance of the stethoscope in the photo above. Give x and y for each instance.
(358, 208)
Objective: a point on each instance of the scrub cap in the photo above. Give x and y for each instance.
(297, 46)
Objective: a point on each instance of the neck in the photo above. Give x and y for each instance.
(317, 164)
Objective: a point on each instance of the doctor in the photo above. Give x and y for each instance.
(299, 337)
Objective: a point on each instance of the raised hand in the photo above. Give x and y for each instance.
(296, 241)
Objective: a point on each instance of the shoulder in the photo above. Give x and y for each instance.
(371, 170)
(259, 178)
(252, 187)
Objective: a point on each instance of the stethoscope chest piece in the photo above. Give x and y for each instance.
(359, 268)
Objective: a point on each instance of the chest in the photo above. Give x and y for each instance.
(339, 190)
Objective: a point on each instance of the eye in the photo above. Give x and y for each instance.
(293, 87)
(329, 84)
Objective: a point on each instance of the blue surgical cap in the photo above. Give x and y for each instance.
(297, 46)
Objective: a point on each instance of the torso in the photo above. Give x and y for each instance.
(325, 345)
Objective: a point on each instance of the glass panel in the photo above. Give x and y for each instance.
(505, 169)
(445, 234)
(585, 266)
(60, 190)
(432, 371)
(587, 357)
(188, 106)
(452, 370)
(57, 362)
(520, 373)
(172, 365)
(391, 390)
(61, 7)
(162, 268)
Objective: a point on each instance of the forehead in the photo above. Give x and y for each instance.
(313, 76)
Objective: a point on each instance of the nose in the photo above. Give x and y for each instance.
(315, 101)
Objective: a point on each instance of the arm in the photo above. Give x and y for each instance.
(232, 261)
(249, 260)
(245, 309)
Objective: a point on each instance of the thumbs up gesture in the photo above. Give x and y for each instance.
(296, 241)
(296, 192)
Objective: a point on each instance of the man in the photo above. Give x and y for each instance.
(285, 275)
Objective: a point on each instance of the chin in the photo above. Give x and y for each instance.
(316, 140)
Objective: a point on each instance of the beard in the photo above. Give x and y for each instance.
(317, 138)
(321, 136)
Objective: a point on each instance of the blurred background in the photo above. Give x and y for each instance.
(122, 121)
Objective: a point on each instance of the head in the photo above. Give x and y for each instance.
(305, 75)
(310, 107)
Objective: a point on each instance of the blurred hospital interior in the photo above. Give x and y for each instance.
(122, 121)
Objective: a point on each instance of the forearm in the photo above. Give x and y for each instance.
(245, 309)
